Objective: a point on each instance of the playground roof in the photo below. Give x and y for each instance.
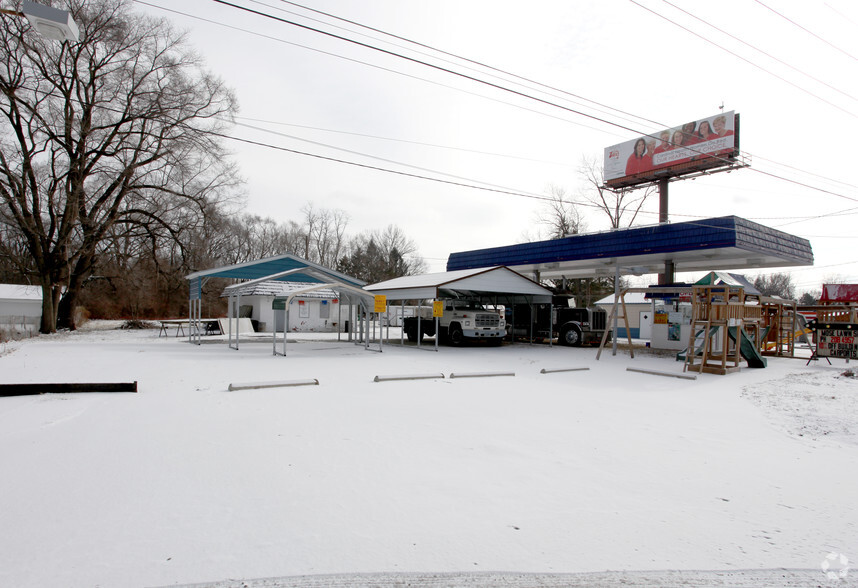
(275, 268)
(727, 279)
(475, 283)
(727, 242)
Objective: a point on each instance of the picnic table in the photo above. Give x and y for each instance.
(211, 326)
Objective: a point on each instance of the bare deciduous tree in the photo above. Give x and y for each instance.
(381, 255)
(776, 284)
(560, 215)
(621, 207)
(116, 129)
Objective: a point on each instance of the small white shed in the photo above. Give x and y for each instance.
(640, 317)
(20, 308)
(316, 311)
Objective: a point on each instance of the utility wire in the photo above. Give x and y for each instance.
(808, 31)
(410, 142)
(736, 55)
(659, 124)
(425, 54)
(463, 184)
(472, 61)
(465, 76)
(502, 88)
(769, 55)
(362, 154)
(375, 66)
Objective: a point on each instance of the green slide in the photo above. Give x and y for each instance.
(681, 355)
(748, 349)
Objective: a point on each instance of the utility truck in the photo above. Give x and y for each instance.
(559, 320)
(462, 320)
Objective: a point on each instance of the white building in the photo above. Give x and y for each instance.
(640, 315)
(317, 311)
(20, 308)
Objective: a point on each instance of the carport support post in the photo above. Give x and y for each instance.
(286, 328)
(551, 321)
(419, 324)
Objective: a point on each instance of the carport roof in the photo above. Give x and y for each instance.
(479, 283)
(278, 266)
(727, 242)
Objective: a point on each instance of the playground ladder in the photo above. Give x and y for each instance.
(714, 308)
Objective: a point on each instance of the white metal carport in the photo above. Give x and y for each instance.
(288, 267)
(496, 285)
(234, 290)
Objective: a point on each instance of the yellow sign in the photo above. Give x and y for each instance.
(437, 309)
(380, 303)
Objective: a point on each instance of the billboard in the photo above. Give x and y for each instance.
(691, 147)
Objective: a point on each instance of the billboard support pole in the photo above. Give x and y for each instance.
(666, 277)
(662, 200)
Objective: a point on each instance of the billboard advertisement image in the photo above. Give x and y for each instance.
(691, 147)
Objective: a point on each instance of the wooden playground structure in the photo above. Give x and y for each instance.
(727, 326)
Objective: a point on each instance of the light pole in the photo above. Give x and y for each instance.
(51, 23)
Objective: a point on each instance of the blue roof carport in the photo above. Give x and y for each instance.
(728, 242)
(286, 267)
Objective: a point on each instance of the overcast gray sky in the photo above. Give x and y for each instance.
(792, 76)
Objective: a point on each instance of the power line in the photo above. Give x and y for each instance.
(510, 90)
(462, 184)
(468, 60)
(435, 49)
(808, 31)
(373, 65)
(736, 55)
(362, 154)
(410, 142)
(518, 93)
(769, 55)
(429, 65)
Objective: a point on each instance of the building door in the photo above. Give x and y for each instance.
(646, 325)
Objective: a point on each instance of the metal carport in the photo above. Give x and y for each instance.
(495, 285)
(286, 267)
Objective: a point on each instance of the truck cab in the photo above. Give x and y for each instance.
(463, 320)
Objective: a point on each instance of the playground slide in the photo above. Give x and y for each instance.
(748, 349)
(681, 355)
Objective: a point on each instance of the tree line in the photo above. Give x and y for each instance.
(114, 183)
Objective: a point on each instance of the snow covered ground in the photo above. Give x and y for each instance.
(453, 479)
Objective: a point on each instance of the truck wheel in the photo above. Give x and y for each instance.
(571, 336)
(455, 335)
